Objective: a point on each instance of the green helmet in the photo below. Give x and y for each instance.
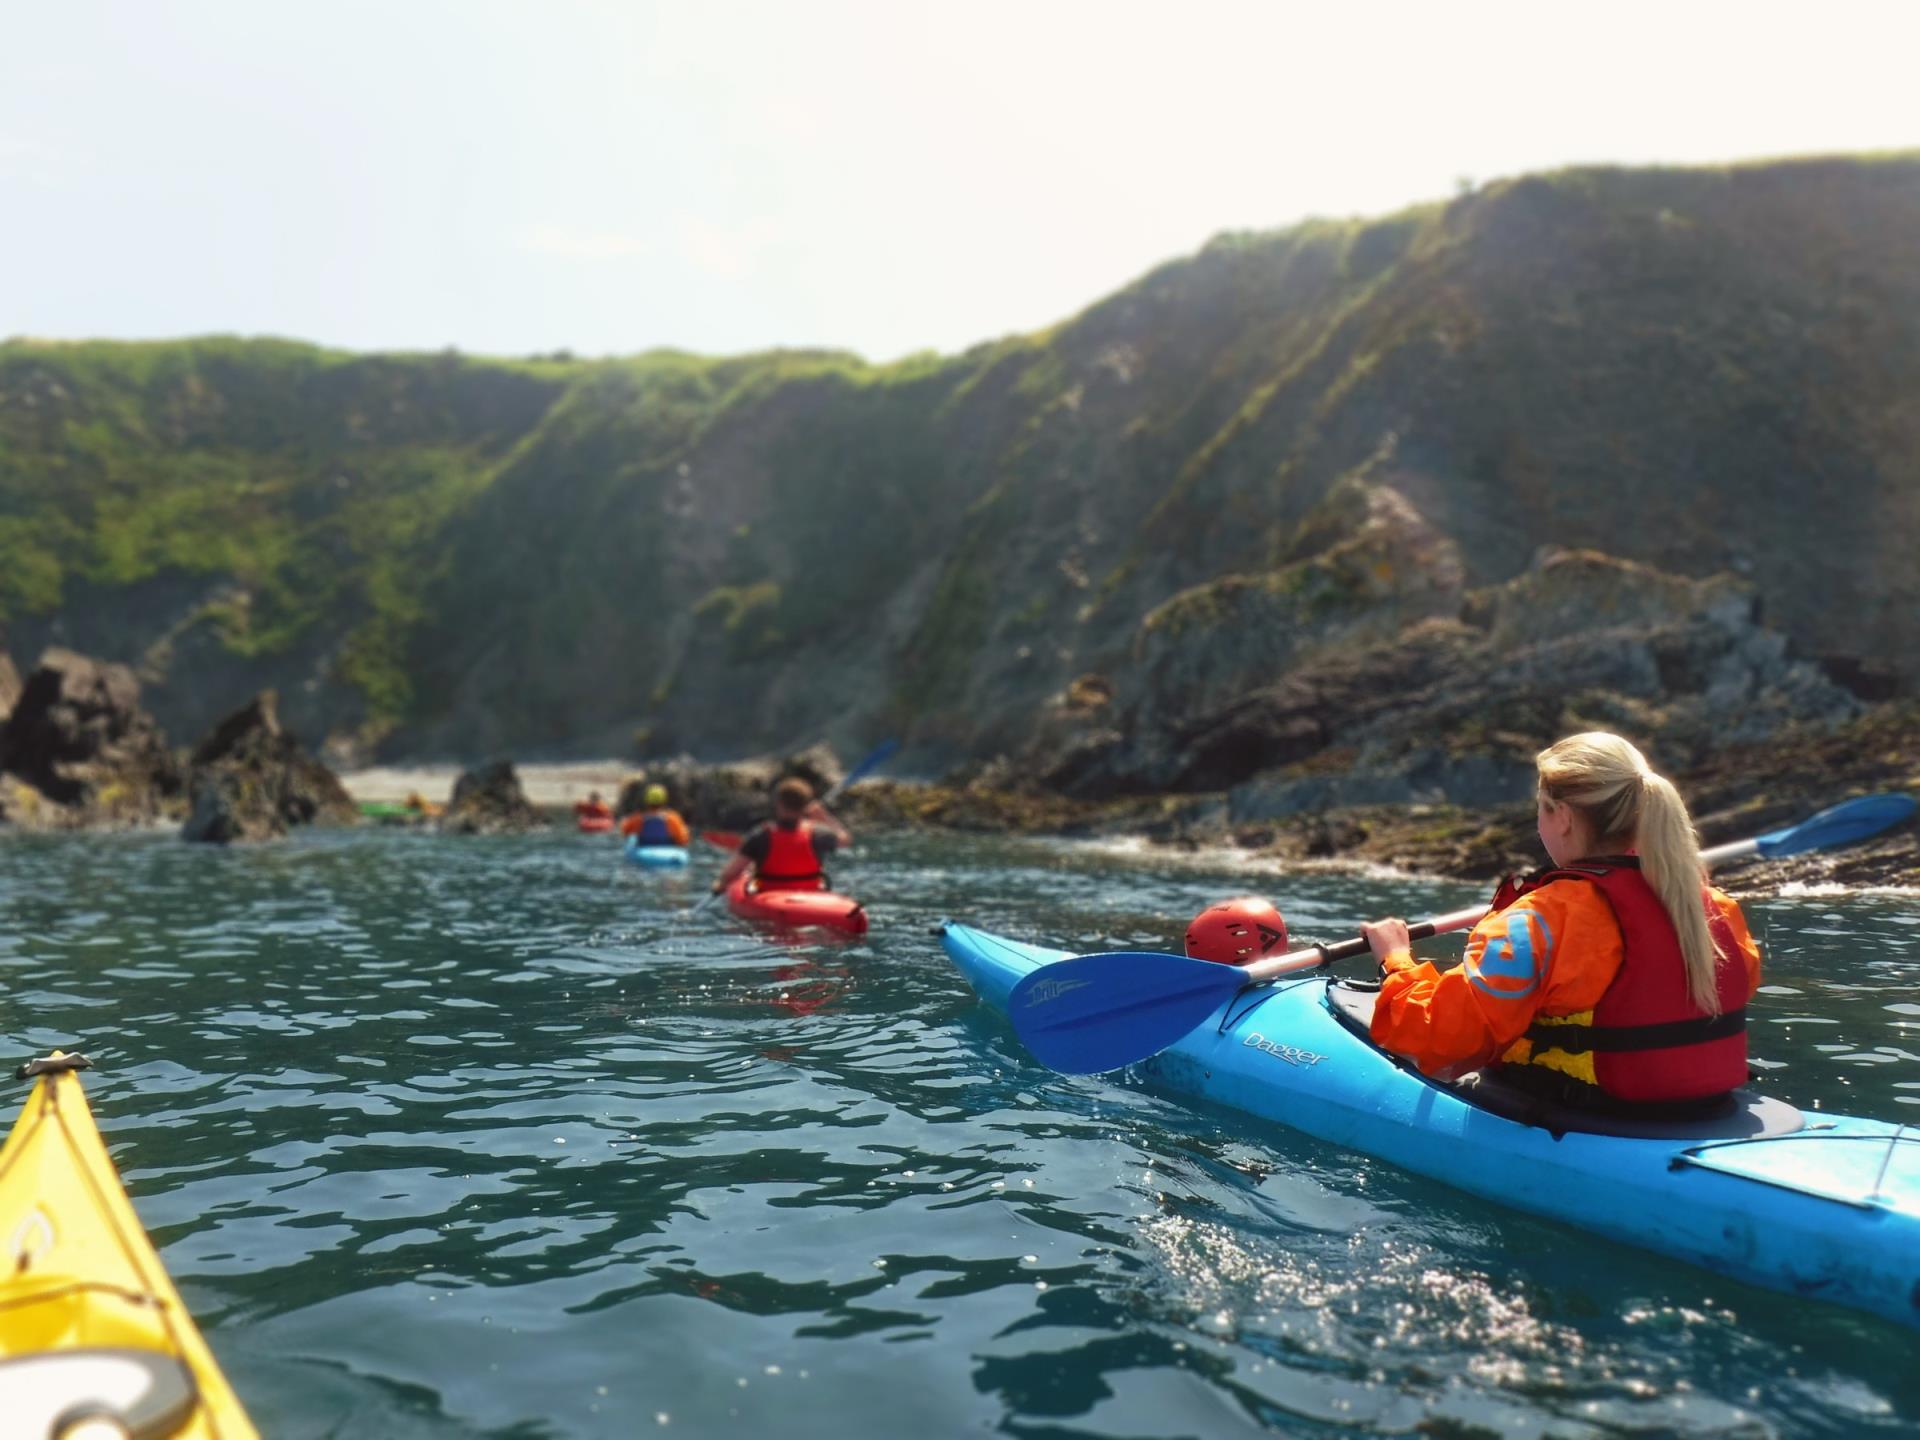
(656, 795)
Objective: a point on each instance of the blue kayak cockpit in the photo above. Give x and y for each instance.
(1742, 1115)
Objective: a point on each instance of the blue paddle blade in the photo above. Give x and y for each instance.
(1100, 1012)
(1840, 824)
(873, 760)
(878, 757)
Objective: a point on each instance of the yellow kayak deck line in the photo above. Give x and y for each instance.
(78, 1273)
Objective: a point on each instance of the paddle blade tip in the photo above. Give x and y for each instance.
(1850, 820)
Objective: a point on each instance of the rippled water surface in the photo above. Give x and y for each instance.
(485, 1137)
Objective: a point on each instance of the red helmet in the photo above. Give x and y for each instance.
(1237, 932)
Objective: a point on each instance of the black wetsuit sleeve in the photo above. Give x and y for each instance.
(825, 842)
(755, 846)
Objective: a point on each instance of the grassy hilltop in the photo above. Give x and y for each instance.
(1700, 370)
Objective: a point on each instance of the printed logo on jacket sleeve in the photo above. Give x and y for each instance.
(1515, 961)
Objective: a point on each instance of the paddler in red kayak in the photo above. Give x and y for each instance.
(656, 824)
(792, 848)
(593, 808)
(1616, 978)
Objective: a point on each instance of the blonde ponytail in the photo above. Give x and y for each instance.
(1628, 806)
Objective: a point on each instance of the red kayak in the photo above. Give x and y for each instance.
(595, 824)
(795, 906)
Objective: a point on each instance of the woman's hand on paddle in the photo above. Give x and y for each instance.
(1385, 937)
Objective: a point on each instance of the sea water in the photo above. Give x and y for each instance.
(492, 1137)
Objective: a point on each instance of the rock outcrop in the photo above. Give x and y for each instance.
(1452, 708)
(488, 800)
(79, 749)
(251, 780)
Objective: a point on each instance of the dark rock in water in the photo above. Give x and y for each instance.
(79, 740)
(488, 800)
(1333, 834)
(232, 804)
(251, 780)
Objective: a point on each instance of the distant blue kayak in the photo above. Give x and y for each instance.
(1821, 1205)
(655, 857)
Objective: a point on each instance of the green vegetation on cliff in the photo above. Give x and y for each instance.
(1704, 370)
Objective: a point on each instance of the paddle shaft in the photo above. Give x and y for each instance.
(1315, 956)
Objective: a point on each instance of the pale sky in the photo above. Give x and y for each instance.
(722, 176)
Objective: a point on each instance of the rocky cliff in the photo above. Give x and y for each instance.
(1304, 499)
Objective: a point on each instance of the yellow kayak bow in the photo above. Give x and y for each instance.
(94, 1340)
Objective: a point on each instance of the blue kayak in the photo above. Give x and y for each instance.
(1816, 1204)
(655, 857)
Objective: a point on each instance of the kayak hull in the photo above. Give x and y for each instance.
(796, 907)
(82, 1279)
(593, 824)
(656, 857)
(1830, 1210)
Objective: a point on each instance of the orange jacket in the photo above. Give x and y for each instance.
(1559, 950)
(676, 827)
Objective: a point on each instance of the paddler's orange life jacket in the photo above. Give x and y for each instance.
(1647, 1040)
(790, 857)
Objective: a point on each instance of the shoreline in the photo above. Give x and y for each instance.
(556, 785)
(1440, 841)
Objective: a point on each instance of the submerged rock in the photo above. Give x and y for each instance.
(488, 800)
(77, 738)
(251, 780)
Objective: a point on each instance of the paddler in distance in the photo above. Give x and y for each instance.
(656, 823)
(792, 848)
(1616, 978)
(592, 808)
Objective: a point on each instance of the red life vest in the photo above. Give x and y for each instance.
(1649, 1041)
(790, 857)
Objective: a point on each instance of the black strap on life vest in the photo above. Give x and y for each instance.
(1576, 1039)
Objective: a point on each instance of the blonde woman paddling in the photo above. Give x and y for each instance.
(1617, 977)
